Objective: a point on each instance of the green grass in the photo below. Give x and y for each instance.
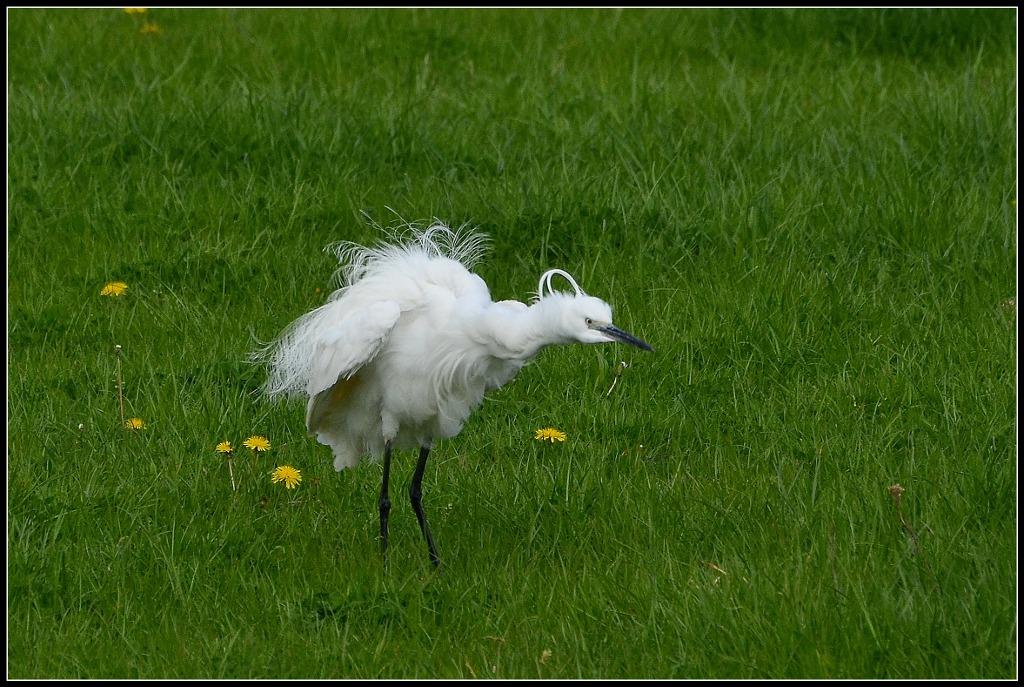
(811, 215)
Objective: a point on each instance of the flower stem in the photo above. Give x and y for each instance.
(618, 373)
(120, 385)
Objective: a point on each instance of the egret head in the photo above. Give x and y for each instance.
(579, 317)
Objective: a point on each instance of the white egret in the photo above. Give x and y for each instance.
(405, 350)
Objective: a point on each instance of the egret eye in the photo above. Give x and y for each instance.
(589, 322)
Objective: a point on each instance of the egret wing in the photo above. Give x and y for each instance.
(350, 344)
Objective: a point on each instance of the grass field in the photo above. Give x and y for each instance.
(810, 214)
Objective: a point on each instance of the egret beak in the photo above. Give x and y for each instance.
(616, 334)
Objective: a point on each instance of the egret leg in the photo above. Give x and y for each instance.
(385, 501)
(416, 496)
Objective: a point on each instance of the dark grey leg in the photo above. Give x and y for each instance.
(385, 502)
(416, 496)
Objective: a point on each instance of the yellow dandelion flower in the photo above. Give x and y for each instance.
(134, 10)
(114, 289)
(224, 447)
(135, 423)
(149, 27)
(549, 434)
(257, 444)
(287, 474)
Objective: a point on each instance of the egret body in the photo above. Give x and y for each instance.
(407, 348)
